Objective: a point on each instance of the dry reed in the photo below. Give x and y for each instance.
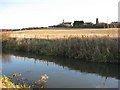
(97, 49)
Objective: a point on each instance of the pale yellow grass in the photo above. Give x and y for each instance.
(64, 33)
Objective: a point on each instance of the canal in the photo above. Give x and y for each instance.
(62, 73)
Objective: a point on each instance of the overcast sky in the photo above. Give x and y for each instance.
(38, 13)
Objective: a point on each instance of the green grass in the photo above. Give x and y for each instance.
(95, 49)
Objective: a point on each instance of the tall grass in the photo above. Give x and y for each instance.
(97, 49)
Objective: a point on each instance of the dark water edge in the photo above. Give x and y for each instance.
(103, 69)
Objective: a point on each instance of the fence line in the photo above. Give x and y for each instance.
(58, 36)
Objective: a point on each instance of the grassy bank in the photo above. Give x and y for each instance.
(96, 49)
(9, 82)
(6, 83)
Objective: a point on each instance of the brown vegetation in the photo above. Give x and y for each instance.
(5, 35)
(64, 33)
(97, 46)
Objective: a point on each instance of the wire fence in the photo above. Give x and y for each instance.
(59, 36)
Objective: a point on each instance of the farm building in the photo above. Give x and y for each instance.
(115, 25)
(63, 24)
(78, 23)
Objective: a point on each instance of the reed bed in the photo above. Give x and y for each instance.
(97, 45)
(85, 48)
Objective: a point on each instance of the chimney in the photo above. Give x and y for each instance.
(97, 21)
(63, 21)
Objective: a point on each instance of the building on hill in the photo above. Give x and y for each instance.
(63, 24)
(66, 24)
(78, 23)
(115, 25)
(81, 24)
(88, 25)
(101, 25)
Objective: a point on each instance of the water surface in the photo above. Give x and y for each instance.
(63, 73)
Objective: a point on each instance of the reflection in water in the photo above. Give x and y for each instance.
(6, 58)
(103, 85)
(102, 69)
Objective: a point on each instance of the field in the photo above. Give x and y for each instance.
(64, 33)
(97, 45)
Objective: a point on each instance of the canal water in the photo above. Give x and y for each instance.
(62, 73)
